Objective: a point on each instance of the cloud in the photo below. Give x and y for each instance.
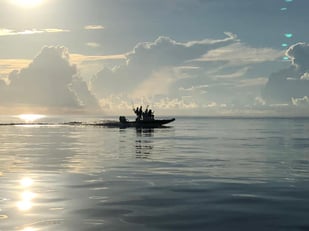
(150, 87)
(5, 32)
(305, 76)
(301, 101)
(10, 32)
(175, 103)
(93, 44)
(94, 27)
(150, 63)
(299, 54)
(195, 88)
(90, 65)
(55, 30)
(165, 51)
(86, 63)
(291, 83)
(8, 65)
(80, 58)
(231, 75)
(49, 82)
(219, 74)
(240, 54)
(188, 77)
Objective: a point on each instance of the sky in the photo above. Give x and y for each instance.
(180, 57)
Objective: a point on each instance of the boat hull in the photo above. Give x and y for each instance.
(139, 124)
(147, 123)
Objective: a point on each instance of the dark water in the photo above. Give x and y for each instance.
(198, 174)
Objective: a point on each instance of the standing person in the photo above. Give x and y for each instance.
(139, 113)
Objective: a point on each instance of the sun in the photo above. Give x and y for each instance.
(27, 3)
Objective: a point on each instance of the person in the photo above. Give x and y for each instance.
(138, 111)
(150, 114)
(146, 112)
(135, 111)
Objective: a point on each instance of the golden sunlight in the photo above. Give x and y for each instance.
(28, 118)
(28, 229)
(24, 205)
(26, 182)
(27, 196)
(27, 3)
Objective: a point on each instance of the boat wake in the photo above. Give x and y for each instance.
(101, 123)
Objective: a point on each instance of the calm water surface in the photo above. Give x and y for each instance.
(198, 174)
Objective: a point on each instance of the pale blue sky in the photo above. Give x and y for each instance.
(202, 57)
(127, 22)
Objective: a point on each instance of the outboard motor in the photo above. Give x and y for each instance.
(122, 119)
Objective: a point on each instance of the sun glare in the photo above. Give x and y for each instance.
(26, 203)
(26, 182)
(28, 118)
(27, 3)
(28, 229)
(26, 196)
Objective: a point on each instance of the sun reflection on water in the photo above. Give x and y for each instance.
(27, 196)
(26, 182)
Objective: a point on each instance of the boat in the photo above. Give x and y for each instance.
(144, 119)
(124, 123)
(153, 123)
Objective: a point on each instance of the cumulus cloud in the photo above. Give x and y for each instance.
(299, 54)
(219, 74)
(152, 67)
(290, 84)
(301, 101)
(151, 87)
(165, 51)
(50, 81)
(305, 76)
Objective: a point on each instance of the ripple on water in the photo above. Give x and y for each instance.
(44, 223)
(3, 217)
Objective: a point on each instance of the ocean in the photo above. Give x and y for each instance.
(196, 174)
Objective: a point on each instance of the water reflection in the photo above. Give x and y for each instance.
(26, 202)
(144, 145)
(26, 196)
(26, 182)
